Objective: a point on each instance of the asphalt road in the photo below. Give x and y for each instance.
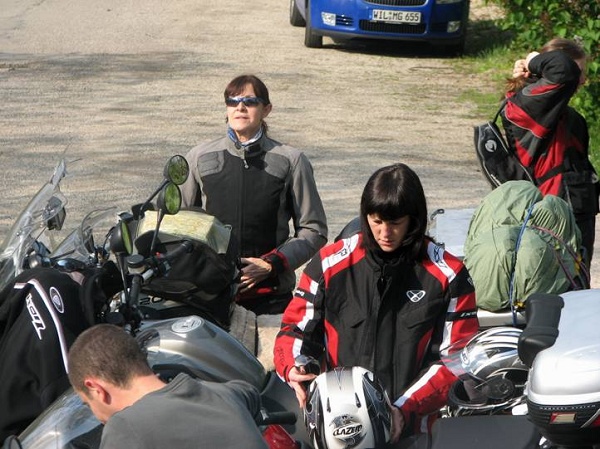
(117, 86)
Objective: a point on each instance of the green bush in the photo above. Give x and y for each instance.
(534, 22)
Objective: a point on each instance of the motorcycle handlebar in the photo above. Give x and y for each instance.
(162, 262)
(185, 247)
(267, 417)
(154, 265)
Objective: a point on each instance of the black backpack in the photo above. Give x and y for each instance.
(202, 282)
(498, 160)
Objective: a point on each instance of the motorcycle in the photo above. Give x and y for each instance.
(558, 406)
(146, 255)
(560, 345)
(31, 242)
(192, 345)
(32, 231)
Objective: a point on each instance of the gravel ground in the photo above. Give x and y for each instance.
(120, 85)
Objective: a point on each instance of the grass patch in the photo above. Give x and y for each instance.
(484, 36)
(488, 60)
(486, 103)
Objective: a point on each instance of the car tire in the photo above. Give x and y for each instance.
(311, 40)
(296, 18)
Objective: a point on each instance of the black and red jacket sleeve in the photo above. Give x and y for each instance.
(536, 109)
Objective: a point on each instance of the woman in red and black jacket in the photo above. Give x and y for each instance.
(550, 138)
(387, 299)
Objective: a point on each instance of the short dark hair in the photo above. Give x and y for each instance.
(393, 192)
(237, 85)
(107, 352)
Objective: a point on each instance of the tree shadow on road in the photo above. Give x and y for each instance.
(484, 36)
(404, 49)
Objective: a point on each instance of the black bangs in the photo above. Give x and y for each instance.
(390, 203)
(391, 193)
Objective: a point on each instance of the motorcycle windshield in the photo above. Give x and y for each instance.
(47, 203)
(79, 244)
(67, 423)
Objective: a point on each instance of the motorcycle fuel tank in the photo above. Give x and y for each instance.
(197, 346)
(563, 391)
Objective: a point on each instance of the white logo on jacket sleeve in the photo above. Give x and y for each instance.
(56, 299)
(350, 245)
(415, 295)
(36, 318)
(436, 255)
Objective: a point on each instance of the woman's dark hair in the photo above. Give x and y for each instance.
(394, 192)
(571, 48)
(237, 85)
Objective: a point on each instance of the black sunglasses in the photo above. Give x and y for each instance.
(249, 102)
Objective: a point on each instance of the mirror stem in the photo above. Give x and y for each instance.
(140, 213)
(159, 216)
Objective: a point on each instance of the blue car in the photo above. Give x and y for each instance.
(439, 22)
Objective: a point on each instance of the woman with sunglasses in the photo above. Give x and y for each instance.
(257, 185)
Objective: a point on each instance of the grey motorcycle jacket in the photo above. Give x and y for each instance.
(258, 190)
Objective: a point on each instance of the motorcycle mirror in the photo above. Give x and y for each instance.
(120, 239)
(57, 214)
(169, 199)
(177, 170)
(169, 203)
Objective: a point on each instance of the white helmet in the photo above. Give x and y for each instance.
(492, 376)
(347, 407)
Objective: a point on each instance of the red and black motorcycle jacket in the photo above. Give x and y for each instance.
(550, 138)
(348, 310)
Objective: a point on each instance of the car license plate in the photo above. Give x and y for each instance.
(386, 15)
